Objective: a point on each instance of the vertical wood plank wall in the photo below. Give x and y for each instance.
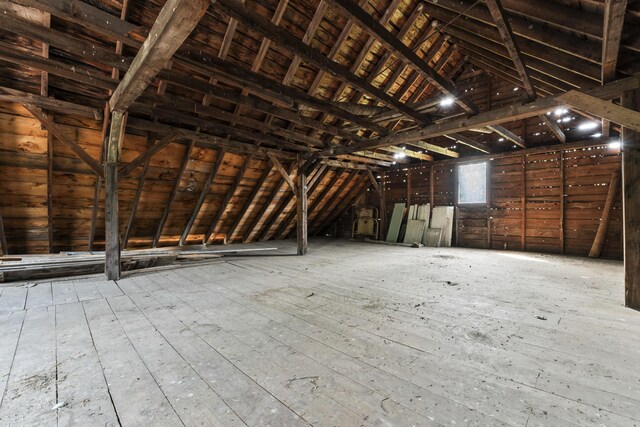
(24, 196)
(543, 202)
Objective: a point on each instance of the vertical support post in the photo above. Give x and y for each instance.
(631, 205)
(408, 188)
(489, 184)
(112, 234)
(382, 229)
(523, 201)
(301, 212)
(3, 238)
(432, 186)
(561, 201)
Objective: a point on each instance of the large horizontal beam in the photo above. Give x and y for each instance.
(51, 104)
(174, 24)
(488, 118)
(607, 110)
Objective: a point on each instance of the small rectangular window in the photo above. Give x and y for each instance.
(472, 183)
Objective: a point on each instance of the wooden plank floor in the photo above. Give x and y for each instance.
(352, 334)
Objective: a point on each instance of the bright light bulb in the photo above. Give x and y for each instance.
(588, 126)
(500, 139)
(614, 145)
(446, 102)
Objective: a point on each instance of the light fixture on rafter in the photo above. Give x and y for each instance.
(447, 102)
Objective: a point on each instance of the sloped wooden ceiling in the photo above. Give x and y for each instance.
(354, 85)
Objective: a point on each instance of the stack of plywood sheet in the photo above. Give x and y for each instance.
(415, 231)
(442, 217)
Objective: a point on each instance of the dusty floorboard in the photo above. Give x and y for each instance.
(352, 334)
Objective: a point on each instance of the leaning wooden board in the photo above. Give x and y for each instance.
(396, 222)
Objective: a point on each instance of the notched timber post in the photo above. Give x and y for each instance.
(631, 204)
(301, 212)
(3, 238)
(112, 234)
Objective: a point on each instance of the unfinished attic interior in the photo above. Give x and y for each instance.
(319, 212)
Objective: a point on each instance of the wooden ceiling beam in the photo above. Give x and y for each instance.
(392, 43)
(586, 49)
(50, 104)
(284, 38)
(435, 149)
(282, 171)
(554, 128)
(173, 25)
(544, 74)
(511, 44)
(488, 118)
(469, 142)
(485, 35)
(65, 42)
(614, 12)
(507, 134)
(625, 117)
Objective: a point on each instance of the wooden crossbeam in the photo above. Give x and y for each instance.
(174, 191)
(250, 200)
(47, 103)
(435, 148)
(258, 23)
(287, 178)
(601, 234)
(173, 25)
(488, 118)
(52, 127)
(510, 42)
(285, 203)
(616, 113)
(288, 223)
(470, 142)
(554, 128)
(206, 187)
(273, 216)
(215, 223)
(512, 46)
(506, 133)
(125, 170)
